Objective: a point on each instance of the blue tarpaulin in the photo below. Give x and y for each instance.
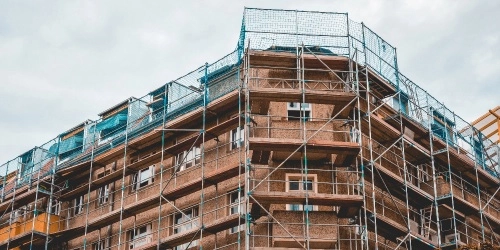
(67, 145)
(71, 143)
(113, 124)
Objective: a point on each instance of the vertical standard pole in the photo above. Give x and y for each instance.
(370, 146)
(433, 164)
(124, 174)
(52, 183)
(303, 119)
(245, 86)
(35, 211)
(477, 182)
(164, 118)
(362, 152)
(202, 198)
(447, 139)
(401, 129)
(356, 115)
(88, 190)
(242, 144)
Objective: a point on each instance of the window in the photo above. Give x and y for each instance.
(103, 192)
(295, 109)
(237, 137)
(21, 213)
(424, 173)
(140, 236)
(55, 207)
(78, 205)
(300, 183)
(235, 206)
(355, 135)
(100, 245)
(442, 127)
(143, 178)
(186, 221)
(27, 166)
(478, 152)
(188, 158)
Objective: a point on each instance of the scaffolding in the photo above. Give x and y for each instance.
(307, 136)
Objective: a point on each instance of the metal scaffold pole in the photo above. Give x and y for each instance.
(370, 146)
(123, 187)
(87, 203)
(357, 119)
(52, 183)
(434, 174)
(303, 119)
(203, 129)
(247, 165)
(242, 196)
(162, 165)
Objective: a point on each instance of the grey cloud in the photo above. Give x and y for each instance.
(64, 62)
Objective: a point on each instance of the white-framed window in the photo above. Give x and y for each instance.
(186, 221)
(301, 183)
(143, 178)
(103, 195)
(355, 135)
(102, 192)
(188, 158)
(140, 236)
(295, 108)
(20, 214)
(55, 207)
(237, 137)
(78, 205)
(236, 206)
(100, 245)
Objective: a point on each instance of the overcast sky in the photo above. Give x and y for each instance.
(62, 62)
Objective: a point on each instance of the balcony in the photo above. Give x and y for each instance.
(33, 230)
(286, 139)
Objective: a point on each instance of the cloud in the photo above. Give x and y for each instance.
(64, 62)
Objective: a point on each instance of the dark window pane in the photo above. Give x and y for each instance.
(294, 185)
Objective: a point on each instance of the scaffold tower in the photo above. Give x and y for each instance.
(306, 136)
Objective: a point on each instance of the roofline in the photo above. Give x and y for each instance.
(126, 101)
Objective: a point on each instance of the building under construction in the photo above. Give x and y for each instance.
(307, 136)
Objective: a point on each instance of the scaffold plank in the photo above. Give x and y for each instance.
(418, 197)
(322, 199)
(295, 95)
(377, 83)
(25, 239)
(289, 60)
(290, 243)
(385, 226)
(313, 146)
(23, 199)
